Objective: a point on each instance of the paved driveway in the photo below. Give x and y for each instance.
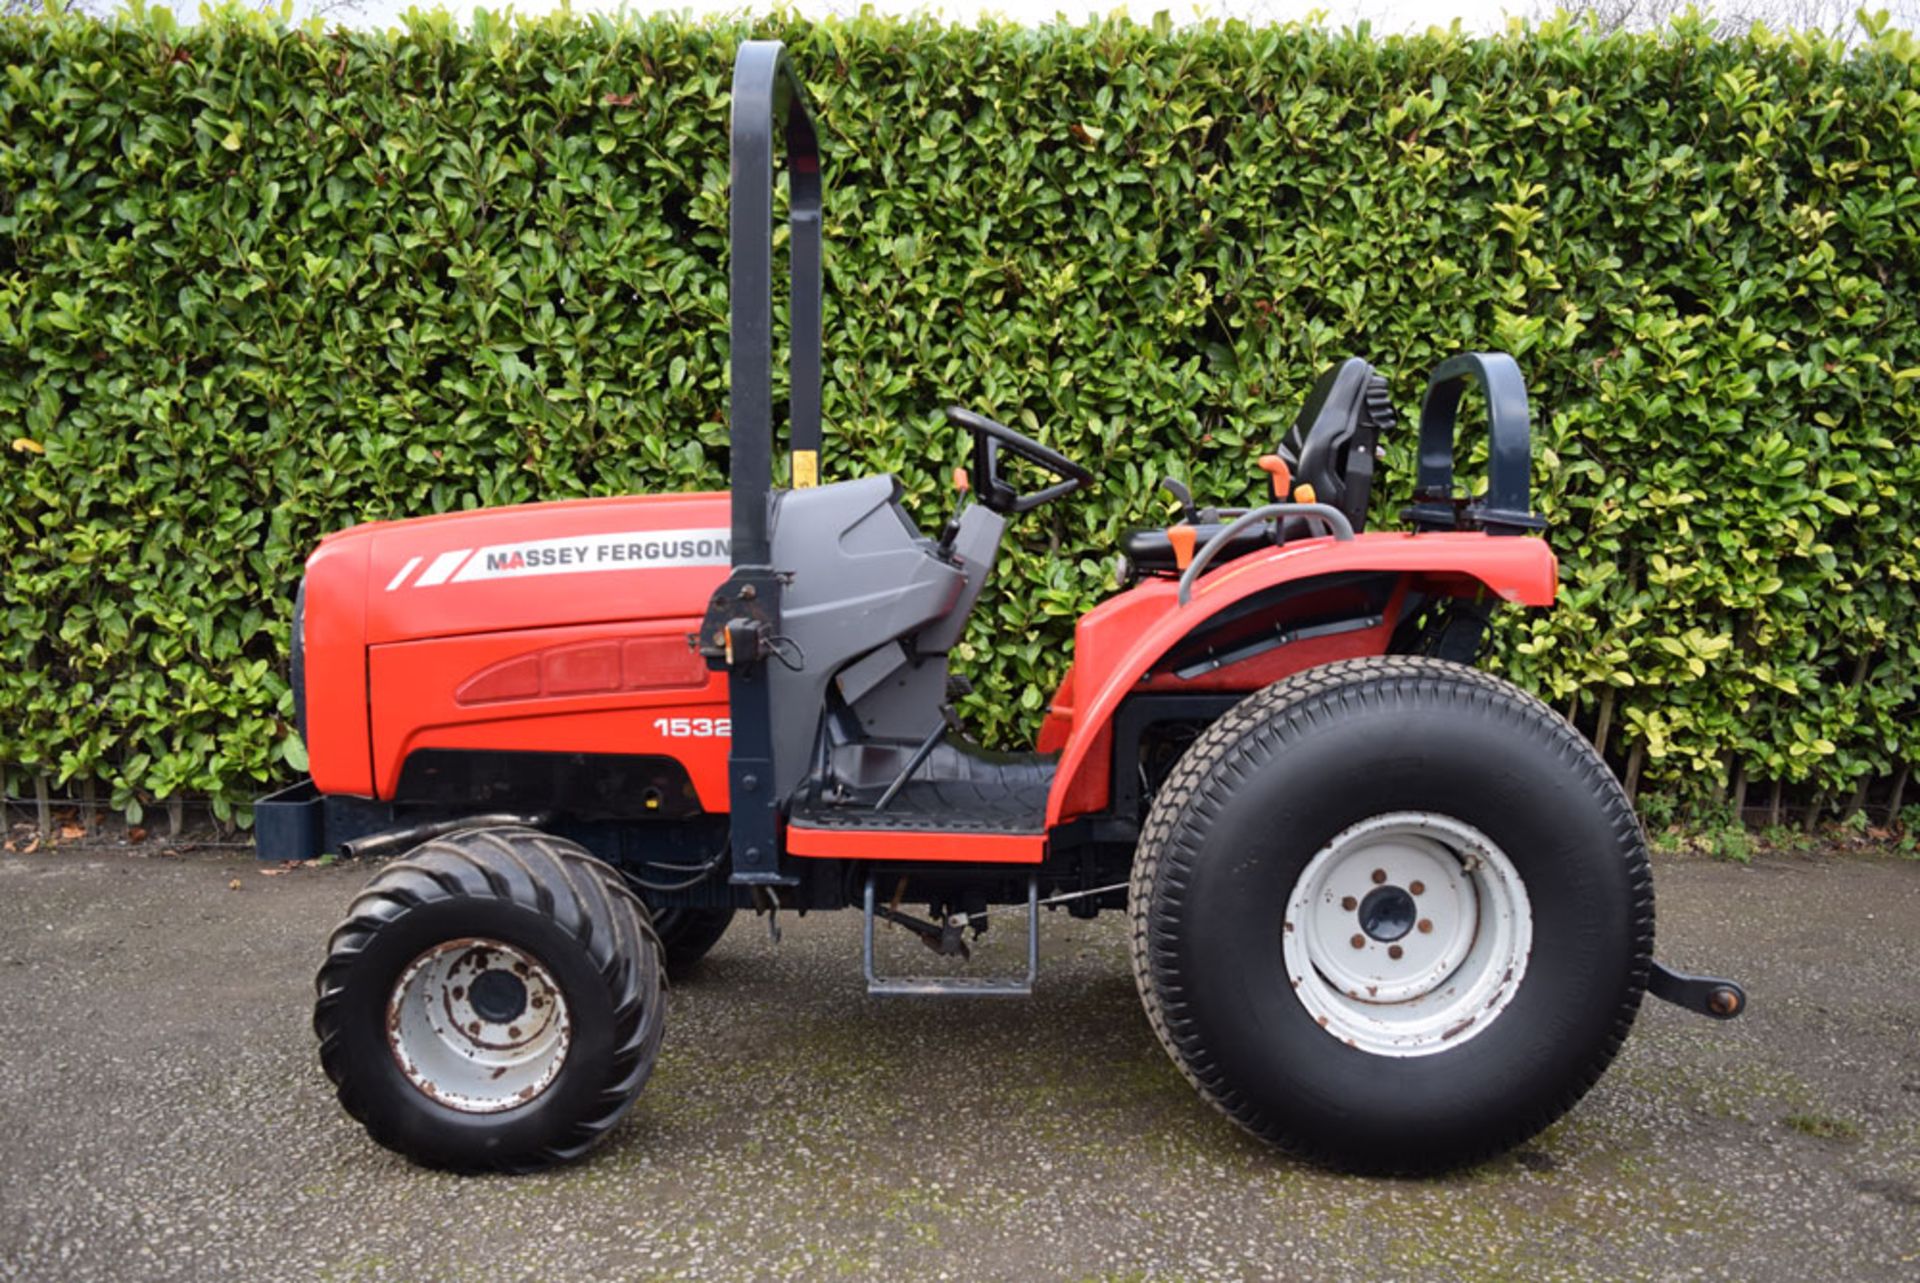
(164, 1118)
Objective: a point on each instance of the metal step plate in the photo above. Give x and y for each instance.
(957, 986)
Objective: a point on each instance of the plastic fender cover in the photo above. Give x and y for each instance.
(1147, 621)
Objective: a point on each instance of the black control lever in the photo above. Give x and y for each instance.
(949, 721)
(943, 938)
(1183, 497)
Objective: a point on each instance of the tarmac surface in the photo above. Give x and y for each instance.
(164, 1115)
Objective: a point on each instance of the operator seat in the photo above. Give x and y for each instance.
(1332, 447)
(1335, 441)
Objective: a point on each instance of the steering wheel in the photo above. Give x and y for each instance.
(996, 495)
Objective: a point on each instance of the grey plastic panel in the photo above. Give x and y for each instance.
(862, 675)
(860, 575)
(975, 545)
(905, 705)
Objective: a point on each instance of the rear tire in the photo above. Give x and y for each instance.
(688, 935)
(493, 1002)
(1392, 915)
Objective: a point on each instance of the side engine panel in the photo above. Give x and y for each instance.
(618, 690)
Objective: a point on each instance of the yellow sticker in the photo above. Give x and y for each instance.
(806, 469)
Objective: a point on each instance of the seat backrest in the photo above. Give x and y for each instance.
(1333, 443)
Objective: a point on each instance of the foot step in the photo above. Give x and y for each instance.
(958, 986)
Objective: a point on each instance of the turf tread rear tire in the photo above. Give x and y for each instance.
(1284, 717)
(549, 877)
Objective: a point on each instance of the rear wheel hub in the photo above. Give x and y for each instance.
(1387, 914)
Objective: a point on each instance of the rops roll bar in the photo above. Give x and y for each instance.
(767, 92)
(742, 623)
(1506, 509)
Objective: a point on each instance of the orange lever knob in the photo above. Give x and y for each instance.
(1182, 537)
(1276, 467)
(960, 481)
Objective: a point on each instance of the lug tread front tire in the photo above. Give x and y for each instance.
(494, 870)
(1286, 718)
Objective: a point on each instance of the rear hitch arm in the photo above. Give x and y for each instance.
(1708, 995)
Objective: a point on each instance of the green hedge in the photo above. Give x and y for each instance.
(256, 284)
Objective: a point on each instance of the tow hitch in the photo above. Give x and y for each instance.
(1708, 995)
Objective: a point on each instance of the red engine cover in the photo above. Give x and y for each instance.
(555, 626)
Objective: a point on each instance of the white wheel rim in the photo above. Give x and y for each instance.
(1407, 934)
(478, 1025)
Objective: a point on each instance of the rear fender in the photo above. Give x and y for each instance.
(1118, 643)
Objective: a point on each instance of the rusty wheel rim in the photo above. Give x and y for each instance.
(1407, 934)
(478, 1025)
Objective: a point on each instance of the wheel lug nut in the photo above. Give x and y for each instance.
(1394, 952)
(1349, 903)
(1426, 926)
(1379, 876)
(1359, 941)
(1418, 888)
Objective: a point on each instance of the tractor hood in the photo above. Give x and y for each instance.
(579, 561)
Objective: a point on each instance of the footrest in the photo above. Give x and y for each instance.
(957, 986)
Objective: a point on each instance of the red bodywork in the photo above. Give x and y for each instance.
(1119, 641)
(562, 627)
(429, 634)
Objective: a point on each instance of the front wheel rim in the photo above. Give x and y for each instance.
(478, 1025)
(1407, 934)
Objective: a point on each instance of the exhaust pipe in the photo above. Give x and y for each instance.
(412, 835)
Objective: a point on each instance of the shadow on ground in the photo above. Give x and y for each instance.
(166, 1118)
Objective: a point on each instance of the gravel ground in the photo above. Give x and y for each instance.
(164, 1116)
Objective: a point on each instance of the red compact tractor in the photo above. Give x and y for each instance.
(1388, 912)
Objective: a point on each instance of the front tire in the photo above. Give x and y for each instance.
(1392, 915)
(493, 1002)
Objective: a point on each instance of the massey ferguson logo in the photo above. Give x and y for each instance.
(631, 550)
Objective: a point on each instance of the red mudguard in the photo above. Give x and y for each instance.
(1118, 642)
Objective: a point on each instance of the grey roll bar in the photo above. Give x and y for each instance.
(1507, 508)
(741, 627)
(767, 92)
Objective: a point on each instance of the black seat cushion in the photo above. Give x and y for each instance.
(1151, 552)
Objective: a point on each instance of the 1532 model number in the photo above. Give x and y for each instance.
(694, 727)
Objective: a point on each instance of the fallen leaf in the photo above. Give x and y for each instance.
(269, 873)
(136, 835)
(72, 831)
(234, 885)
(27, 445)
